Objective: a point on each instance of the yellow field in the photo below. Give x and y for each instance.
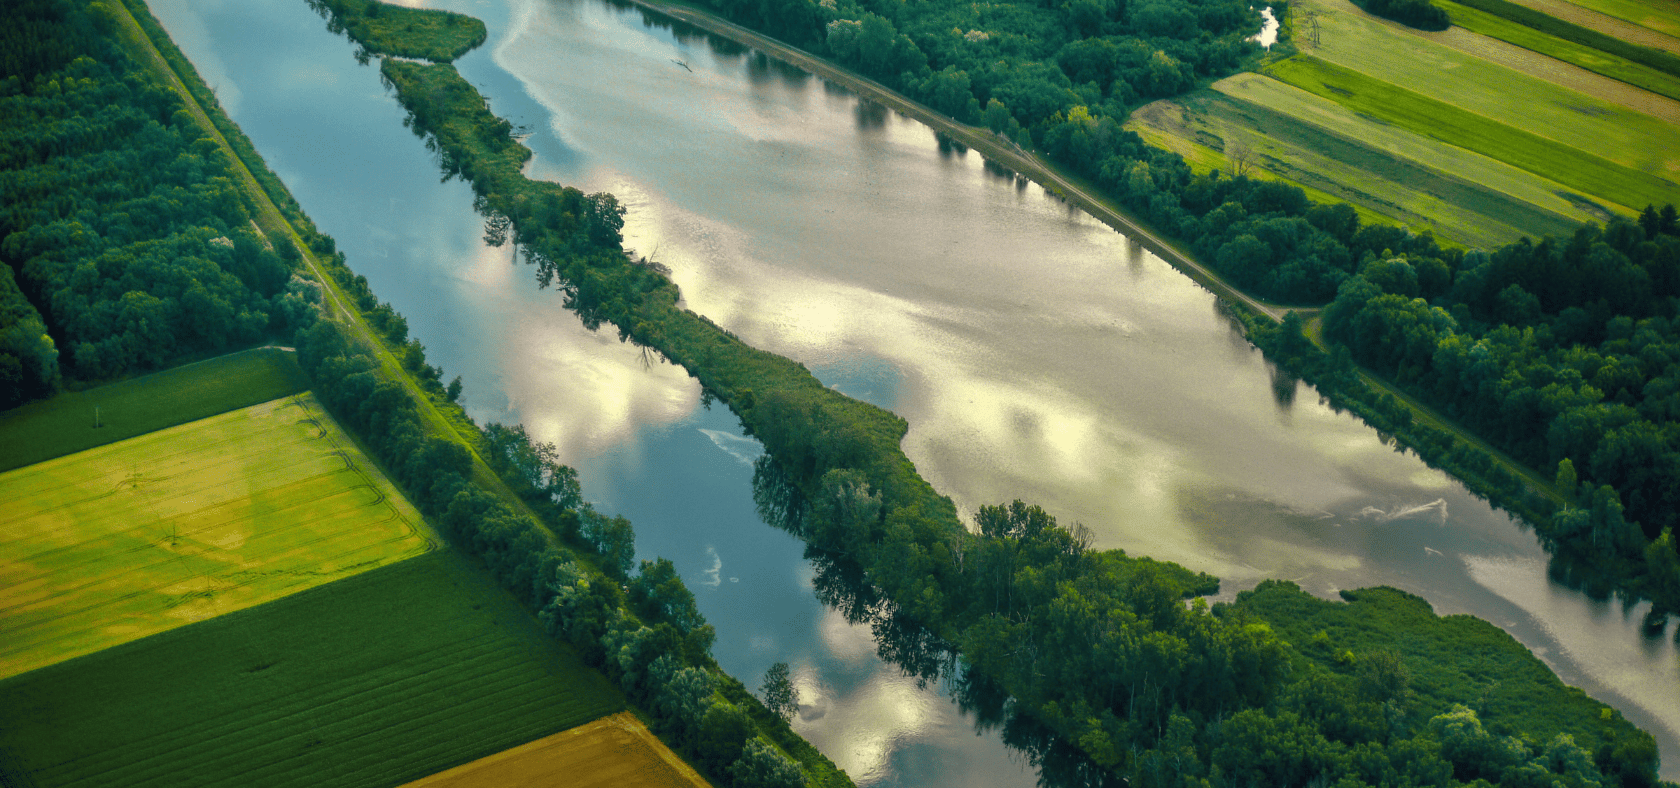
(609, 752)
(144, 535)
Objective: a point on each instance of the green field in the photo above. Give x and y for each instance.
(1392, 54)
(380, 678)
(65, 424)
(147, 534)
(1663, 17)
(1312, 142)
(1573, 168)
(1589, 58)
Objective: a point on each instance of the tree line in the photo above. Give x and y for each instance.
(1097, 646)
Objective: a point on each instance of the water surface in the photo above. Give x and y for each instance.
(1036, 353)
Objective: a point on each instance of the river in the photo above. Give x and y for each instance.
(1036, 353)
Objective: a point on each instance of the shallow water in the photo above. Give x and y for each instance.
(1035, 353)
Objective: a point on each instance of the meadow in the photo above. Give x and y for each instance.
(147, 534)
(377, 679)
(1389, 53)
(1312, 142)
(1569, 166)
(1587, 57)
(1658, 16)
(77, 420)
(611, 751)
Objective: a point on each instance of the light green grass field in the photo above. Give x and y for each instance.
(1658, 15)
(1575, 169)
(1581, 55)
(136, 537)
(1314, 143)
(376, 679)
(1392, 54)
(65, 424)
(1400, 143)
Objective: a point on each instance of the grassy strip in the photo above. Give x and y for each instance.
(1588, 57)
(1657, 59)
(385, 29)
(382, 678)
(67, 424)
(1438, 120)
(1446, 660)
(1654, 16)
(1351, 162)
(224, 513)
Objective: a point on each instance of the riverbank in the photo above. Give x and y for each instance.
(529, 541)
(1020, 582)
(1435, 437)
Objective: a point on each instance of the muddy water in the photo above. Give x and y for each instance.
(1035, 353)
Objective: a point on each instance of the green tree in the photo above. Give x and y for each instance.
(778, 692)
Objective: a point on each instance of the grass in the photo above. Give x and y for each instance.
(1385, 53)
(1451, 659)
(65, 424)
(1312, 142)
(611, 751)
(148, 534)
(1588, 57)
(1397, 142)
(1556, 161)
(1648, 56)
(381, 678)
(1652, 14)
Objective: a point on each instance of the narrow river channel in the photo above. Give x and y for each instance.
(1036, 353)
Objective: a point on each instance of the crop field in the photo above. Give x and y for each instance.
(1655, 15)
(150, 533)
(1389, 53)
(612, 751)
(1313, 142)
(1594, 60)
(376, 679)
(1571, 167)
(67, 423)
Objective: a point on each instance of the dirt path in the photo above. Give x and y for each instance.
(1558, 72)
(992, 146)
(1608, 25)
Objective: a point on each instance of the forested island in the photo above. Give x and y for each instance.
(1093, 647)
(1100, 668)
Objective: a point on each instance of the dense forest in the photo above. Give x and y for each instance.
(123, 224)
(1095, 647)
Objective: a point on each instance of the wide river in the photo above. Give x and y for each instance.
(1036, 353)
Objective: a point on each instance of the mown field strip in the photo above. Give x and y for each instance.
(1401, 143)
(1472, 25)
(139, 536)
(1390, 53)
(1574, 169)
(1652, 23)
(609, 752)
(373, 680)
